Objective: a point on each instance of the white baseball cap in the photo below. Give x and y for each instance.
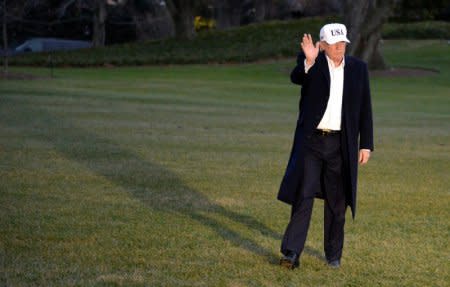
(333, 33)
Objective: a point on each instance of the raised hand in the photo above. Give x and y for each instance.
(311, 51)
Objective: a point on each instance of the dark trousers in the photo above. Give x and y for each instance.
(322, 171)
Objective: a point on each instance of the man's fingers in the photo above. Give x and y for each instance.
(363, 157)
(302, 42)
(362, 160)
(306, 39)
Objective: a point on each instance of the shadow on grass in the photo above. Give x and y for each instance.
(154, 185)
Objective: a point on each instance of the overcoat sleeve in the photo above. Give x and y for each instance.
(298, 73)
(366, 122)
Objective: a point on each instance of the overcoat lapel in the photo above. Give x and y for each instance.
(346, 89)
(323, 67)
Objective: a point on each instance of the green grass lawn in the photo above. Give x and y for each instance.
(168, 175)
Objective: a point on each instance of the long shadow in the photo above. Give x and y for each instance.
(157, 187)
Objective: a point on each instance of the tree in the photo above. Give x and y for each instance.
(319, 7)
(5, 39)
(364, 20)
(422, 10)
(182, 12)
(99, 18)
(98, 8)
(228, 13)
(17, 9)
(99, 14)
(263, 10)
(152, 19)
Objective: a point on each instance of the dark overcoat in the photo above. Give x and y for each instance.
(356, 124)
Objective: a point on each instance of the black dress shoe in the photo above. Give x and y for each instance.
(290, 260)
(334, 263)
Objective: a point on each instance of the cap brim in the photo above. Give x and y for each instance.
(338, 39)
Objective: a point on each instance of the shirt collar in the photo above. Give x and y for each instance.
(331, 63)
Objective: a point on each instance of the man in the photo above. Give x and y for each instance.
(335, 112)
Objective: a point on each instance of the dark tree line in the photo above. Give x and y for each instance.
(112, 21)
(154, 19)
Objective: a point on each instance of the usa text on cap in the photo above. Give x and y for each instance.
(333, 33)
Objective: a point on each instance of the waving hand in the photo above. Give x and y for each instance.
(311, 51)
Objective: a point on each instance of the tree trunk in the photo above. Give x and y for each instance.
(151, 23)
(228, 13)
(183, 17)
(321, 7)
(263, 10)
(151, 27)
(364, 20)
(98, 36)
(5, 40)
(184, 21)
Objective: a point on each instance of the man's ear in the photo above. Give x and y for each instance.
(321, 45)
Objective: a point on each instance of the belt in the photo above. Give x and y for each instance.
(326, 132)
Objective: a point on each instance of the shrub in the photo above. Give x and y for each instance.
(417, 30)
(248, 43)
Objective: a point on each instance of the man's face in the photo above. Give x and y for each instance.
(335, 51)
